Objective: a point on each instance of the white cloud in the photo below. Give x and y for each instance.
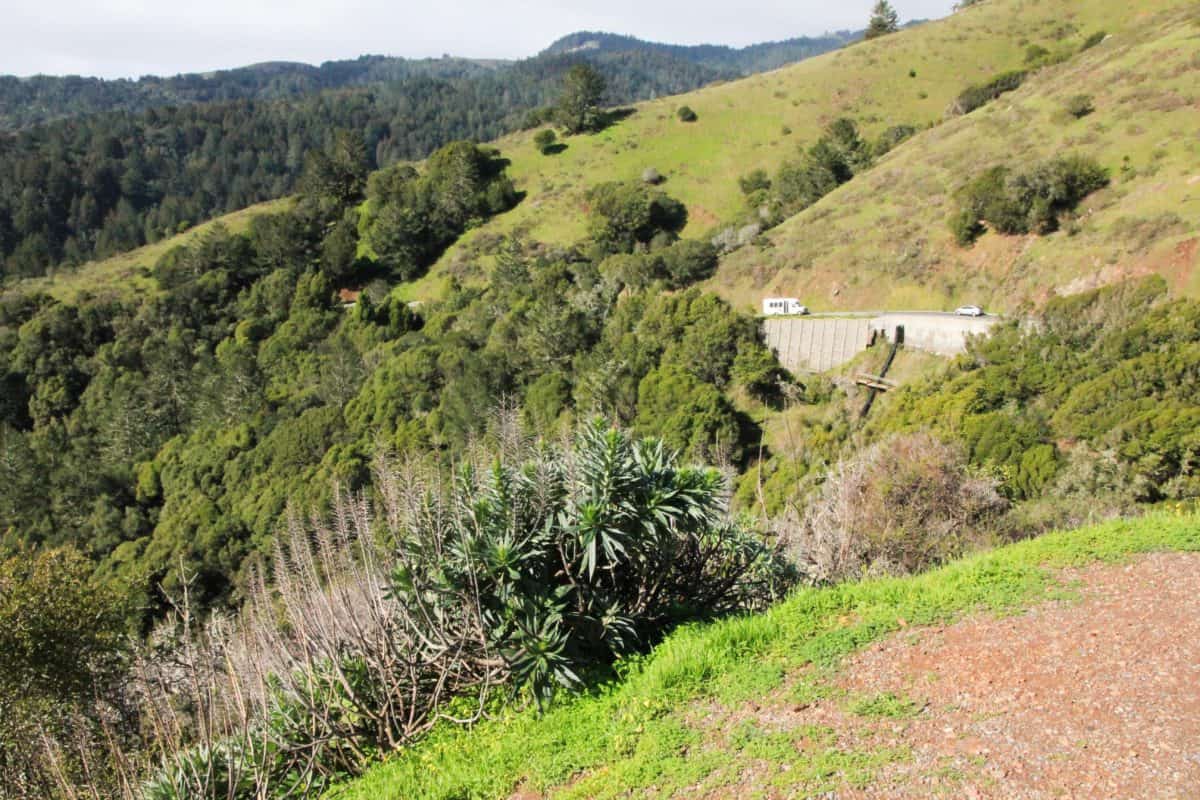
(126, 38)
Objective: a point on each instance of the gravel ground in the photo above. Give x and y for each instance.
(1096, 698)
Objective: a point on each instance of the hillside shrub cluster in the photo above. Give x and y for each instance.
(526, 573)
(979, 95)
(836, 157)
(1096, 400)
(1029, 201)
(412, 217)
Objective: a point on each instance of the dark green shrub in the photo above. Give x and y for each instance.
(1093, 40)
(754, 181)
(625, 215)
(892, 137)
(1035, 53)
(1080, 105)
(966, 227)
(544, 141)
(974, 97)
(686, 114)
(1025, 202)
(831, 161)
(689, 261)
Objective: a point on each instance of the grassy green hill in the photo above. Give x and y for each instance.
(909, 78)
(129, 272)
(651, 734)
(882, 240)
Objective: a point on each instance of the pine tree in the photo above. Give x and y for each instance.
(884, 20)
(578, 109)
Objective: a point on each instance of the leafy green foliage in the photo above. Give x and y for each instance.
(1092, 40)
(891, 138)
(625, 216)
(545, 141)
(410, 218)
(686, 114)
(577, 558)
(1112, 368)
(831, 161)
(62, 644)
(1080, 105)
(1025, 202)
(884, 20)
(578, 109)
(977, 96)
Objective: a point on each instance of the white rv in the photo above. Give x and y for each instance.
(773, 306)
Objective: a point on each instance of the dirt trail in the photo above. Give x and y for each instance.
(1096, 698)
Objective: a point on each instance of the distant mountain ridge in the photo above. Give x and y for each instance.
(26, 102)
(90, 168)
(739, 60)
(31, 101)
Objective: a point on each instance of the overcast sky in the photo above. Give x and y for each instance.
(128, 38)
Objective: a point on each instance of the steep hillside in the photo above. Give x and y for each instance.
(783, 704)
(168, 153)
(910, 78)
(882, 239)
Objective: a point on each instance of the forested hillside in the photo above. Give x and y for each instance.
(37, 99)
(34, 100)
(739, 61)
(184, 149)
(306, 522)
(882, 239)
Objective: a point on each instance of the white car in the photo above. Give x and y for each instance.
(969, 311)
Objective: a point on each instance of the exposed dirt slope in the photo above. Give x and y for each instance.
(1092, 697)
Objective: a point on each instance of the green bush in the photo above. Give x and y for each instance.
(623, 216)
(892, 137)
(974, 97)
(544, 141)
(1035, 53)
(754, 181)
(1080, 105)
(1092, 40)
(831, 161)
(575, 558)
(966, 227)
(686, 114)
(1025, 202)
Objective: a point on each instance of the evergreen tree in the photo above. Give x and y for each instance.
(578, 109)
(884, 20)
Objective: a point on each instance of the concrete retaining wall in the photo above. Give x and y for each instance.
(824, 343)
(818, 343)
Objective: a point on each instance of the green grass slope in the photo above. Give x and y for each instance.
(128, 273)
(761, 121)
(648, 730)
(882, 240)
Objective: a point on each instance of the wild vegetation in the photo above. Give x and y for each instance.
(183, 150)
(647, 733)
(313, 522)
